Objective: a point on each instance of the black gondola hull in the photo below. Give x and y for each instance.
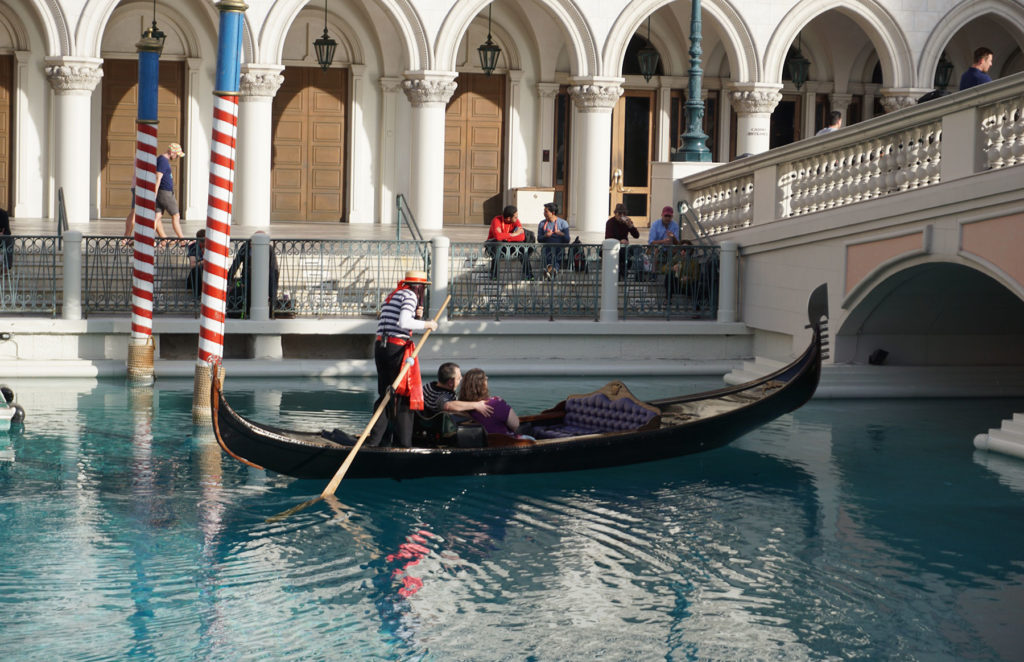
(309, 455)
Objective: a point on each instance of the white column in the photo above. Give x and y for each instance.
(594, 99)
(546, 92)
(257, 88)
(727, 281)
(664, 122)
(389, 155)
(192, 198)
(72, 308)
(360, 171)
(19, 124)
(754, 104)
(610, 280)
(516, 170)
(439, 273)
(73, 81)
(428, 92)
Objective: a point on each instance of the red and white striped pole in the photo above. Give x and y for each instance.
(140, 344)
(219, 201)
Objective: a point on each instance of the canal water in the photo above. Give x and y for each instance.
(849, 530)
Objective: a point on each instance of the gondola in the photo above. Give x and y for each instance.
(666, 428)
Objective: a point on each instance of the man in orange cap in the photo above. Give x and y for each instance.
(399, 317)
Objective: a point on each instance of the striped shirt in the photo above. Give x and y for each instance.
(435, 397)
(403, 300)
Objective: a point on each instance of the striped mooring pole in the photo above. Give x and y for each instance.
(140, 343)
(218, 207)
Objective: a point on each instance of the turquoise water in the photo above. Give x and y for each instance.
(860, 530)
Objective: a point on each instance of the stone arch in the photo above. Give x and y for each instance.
(737, 40)
(52, 24)
(403, 17)
(351, 49)
(502, 37)
(1006, 11)
(168, 19)
(883, 31)
(97, 15)
(904, 305)
(13, 31)
(577, 31)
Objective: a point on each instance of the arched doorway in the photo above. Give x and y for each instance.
(118, 133)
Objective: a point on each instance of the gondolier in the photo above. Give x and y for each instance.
(399, 317)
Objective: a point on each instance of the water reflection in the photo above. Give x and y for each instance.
(847, 530)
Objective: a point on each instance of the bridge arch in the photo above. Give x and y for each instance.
(927, 311)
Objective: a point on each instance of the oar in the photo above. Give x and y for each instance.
(336, 480)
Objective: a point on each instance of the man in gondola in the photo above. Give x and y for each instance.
(399, 316)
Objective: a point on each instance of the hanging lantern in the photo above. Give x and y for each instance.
(648, 56)
(943, 70)
(325, 46)
(799, 66)
(489, 51)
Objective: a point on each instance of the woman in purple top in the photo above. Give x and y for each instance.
(503, 419)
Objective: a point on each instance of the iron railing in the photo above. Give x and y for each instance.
(341, 278)
(107, 277)
(670, 282)
(31, 274)
(405, 217)
(508, 280)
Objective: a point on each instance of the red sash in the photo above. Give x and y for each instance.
(411, 385)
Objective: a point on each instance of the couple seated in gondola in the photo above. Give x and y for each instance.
(443, 409)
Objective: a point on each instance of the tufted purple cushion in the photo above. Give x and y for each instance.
(597, 413)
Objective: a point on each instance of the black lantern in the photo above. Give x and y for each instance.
(325, 46)
(798, 66)
(648, 57)
(154, 35)
(489, 51)
(943, 70)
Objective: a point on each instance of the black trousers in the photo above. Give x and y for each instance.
(397, 415)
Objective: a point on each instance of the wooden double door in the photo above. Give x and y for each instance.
(632, 148)
(118, 133)
(308, 159)
(474, 150)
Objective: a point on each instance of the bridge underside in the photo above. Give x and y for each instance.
(936, 314)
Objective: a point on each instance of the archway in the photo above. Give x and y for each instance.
(935, 314)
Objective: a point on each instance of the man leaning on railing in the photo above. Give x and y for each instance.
(508, 230)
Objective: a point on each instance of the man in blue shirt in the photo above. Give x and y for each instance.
(665, 232)
(552, 230)
(165, 200)
(977, 73)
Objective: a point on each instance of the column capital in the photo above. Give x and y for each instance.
(390, 84)
(547, 90)
(260, 83)
(424, 88)
(596, 95)
(840, 101)
(74, 76)
(754, 98)
(894, 99)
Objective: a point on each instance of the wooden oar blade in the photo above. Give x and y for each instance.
(294, 509)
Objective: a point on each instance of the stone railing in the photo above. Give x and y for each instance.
(980, 129)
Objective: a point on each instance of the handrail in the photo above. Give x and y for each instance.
(402, 210)
(62, 213)
(692, 221)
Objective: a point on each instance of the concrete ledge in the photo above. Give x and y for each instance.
(363, 368)
(866, 381)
